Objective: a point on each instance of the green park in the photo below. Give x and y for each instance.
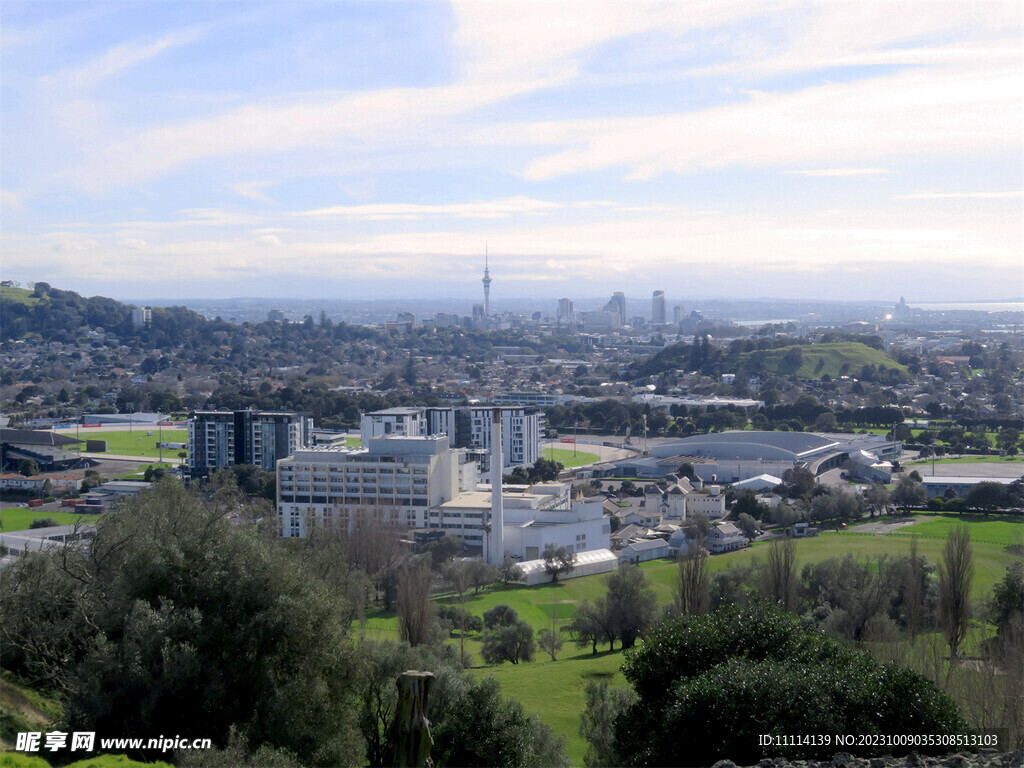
(554, 689)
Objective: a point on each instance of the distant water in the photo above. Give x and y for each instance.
(969, 306)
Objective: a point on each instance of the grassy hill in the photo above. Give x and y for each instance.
(817, 360)
(18, 295)
(812, 362)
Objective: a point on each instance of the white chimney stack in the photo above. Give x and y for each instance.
(496, 544)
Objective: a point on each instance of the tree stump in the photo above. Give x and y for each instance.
(410, 731)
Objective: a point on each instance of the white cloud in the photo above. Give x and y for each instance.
(912, 113)
(11, 199)
(961, 195)
(112, 62)
(268, 240)
(841, 172)
(476, 210)
(253, 190)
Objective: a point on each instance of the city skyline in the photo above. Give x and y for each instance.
(367, 150)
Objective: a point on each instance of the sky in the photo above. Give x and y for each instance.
(823, 150)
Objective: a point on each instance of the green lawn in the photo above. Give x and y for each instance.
(353, 442)
(139, 473)
(18, 519)
(1011, 460)
(1003, 530)
(138, 442)
(554, 690)
(564, 457)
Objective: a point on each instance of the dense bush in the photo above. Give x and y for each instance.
(708, 686)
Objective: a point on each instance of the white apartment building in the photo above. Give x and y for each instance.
(394, 481)
(393, 422)
(470, 427)
(466, 427)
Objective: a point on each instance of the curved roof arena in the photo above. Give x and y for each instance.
(749, 444)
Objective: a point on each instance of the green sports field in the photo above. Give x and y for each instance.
(564, 456)
(19, 519)
(139, 442)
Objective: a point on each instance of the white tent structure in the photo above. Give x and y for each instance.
(587, 564)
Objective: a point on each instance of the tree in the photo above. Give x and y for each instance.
(750, 666)
(987, 496)
(747, 525)
(686, 470)
(908, 493)
(481, 574)
(549, 642)
(176, 619)
(956, 574)
(691, 592)
(597, 722)
(1006, 608)
(780, 573)
(28, 467)
(510, 571)
(877, 498)
(416, 611)
(799, 482)
(42, 522)
(508, 638)
(558, 560)
(587, 626)
(632, 606)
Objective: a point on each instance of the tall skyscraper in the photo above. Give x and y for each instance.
(487, 286)
(658, 308)
(617, 305)
(565, 309)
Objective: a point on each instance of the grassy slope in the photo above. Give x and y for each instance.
(17, 295)
(554, 690)
(19, 519)
(137, 442)
(833, 355)
(22, 709)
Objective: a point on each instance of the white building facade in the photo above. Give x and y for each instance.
(393, 481)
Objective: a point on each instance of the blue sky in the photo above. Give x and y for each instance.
(827, 150)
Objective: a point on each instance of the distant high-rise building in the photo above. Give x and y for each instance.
(275, 316)
(565, 309)
(479, 313)
(487, 286)
(617, 305)
(141, 315)
(678, 313)
(658, 308)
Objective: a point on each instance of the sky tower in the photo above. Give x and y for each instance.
(487, 286)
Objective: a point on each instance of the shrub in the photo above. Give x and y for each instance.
(708, 686)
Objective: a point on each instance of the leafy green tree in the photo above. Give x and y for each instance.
(509, 642)
(597, 722)
(747, 525)
(557, 560)
(28, 467)
(1006, 608)
(908, 493)
(631, 604)
(987, 496)
(760, 670)
(510, 571)
(956, 574)
(176, 622)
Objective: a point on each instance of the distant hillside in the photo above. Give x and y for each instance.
(815, 360)
(57, 315)
(805, 361)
